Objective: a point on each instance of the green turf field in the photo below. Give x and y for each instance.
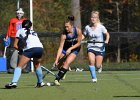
(111, 85)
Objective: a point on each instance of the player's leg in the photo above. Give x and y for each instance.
(17, 72)
(91, 57)
(65, 67)
(38, 72)
(99, 60)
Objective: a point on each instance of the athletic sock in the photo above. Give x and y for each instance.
(61, 73)
(17, 74)
(92, 71)
(39, 75)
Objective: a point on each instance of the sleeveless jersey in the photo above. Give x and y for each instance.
(32, 40)
(71, 40)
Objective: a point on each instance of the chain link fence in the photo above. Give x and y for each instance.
(129, 51)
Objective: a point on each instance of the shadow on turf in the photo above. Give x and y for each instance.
(135, 96)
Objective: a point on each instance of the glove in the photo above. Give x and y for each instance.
(7, 42)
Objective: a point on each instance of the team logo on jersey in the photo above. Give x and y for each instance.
(18, 25)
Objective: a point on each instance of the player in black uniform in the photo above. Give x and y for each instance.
(69, 45)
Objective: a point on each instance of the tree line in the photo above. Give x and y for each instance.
(49, 15)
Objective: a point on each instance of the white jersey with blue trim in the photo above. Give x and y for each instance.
(96, 34)
(32, 40)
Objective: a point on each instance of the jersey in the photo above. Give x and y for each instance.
(95, 35)
(71, 40)
(32, 41)
(14, 25)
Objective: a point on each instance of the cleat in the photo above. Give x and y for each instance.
(64, 77)
(11, 85)
(40, 85)
(94, 80)
(70, 69)
(56, 83)
(100, 69)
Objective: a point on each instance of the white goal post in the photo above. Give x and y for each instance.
(31, 19)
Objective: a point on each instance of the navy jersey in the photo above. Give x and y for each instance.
(71, 40)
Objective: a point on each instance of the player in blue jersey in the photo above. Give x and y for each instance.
(95, 31)
(69, 45)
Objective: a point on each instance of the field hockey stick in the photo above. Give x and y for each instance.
(4, 54)
(61, 62)
(92, 42)
(5, 48)
(47, 72)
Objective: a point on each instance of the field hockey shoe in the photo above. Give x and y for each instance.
(94, 80)
(56, 82)
(100, 69)
(64, 77)
(40, 85)
(11, 85)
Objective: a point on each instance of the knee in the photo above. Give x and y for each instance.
(66, 65)
(36, 64)
(92, 63)
(98, 66)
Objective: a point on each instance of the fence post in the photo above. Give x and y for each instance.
(118, 51)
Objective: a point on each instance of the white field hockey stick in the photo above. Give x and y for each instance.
(4, 54)
(47, 72)
(5, 48)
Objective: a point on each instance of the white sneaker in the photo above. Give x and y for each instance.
(100, 69)
(40, 85)
(56, 83)
(70, 69)
(11, 85)
(64, 77)
(94, 80)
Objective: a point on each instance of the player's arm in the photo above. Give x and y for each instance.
(62, 40)
(79, 38)
(107, 37)
(10, 28)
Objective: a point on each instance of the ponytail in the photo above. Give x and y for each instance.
(70, 19)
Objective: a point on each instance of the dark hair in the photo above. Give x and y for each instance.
(70, 19)
(26, 24)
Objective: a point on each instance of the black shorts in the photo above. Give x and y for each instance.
(96, 52)
(36, 52)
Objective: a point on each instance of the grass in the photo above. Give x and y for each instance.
(107, 66)
(111, 85)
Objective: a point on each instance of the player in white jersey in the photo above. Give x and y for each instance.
(28, 41)
(95, 32)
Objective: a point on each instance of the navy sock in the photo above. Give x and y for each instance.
(61, 73)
